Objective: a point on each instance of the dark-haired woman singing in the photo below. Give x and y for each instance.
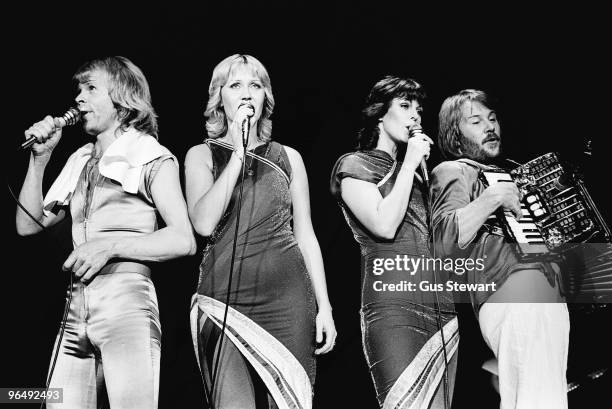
(410, 335)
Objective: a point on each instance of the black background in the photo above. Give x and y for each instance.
(545, 67)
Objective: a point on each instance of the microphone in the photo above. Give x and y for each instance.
(414, 130)
(71, 117)
(246, 125)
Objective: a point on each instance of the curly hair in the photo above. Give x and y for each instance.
(450, 138)
(216, 122)
(378, 103)
(128, 89)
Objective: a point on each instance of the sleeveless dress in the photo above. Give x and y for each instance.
(271, 317)
(401, 339)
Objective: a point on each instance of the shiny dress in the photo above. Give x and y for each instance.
(272, 307)
(400, 333)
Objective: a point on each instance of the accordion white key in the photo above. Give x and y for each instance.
(523, 230)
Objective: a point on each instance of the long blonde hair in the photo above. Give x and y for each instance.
(216, 122)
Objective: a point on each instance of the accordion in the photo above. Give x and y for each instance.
(557, 209)
(558, 215)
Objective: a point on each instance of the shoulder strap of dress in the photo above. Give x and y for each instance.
(254, 156)
(388, 175)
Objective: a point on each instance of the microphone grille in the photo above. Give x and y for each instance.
(72, 116)
(414, 131)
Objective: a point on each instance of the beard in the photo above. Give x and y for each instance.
(476, 152)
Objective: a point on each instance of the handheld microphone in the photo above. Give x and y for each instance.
(413, 131)
(71, 117)
(246, 125)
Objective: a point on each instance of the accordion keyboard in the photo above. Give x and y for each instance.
(523, 230)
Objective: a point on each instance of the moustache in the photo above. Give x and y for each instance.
(491, 137)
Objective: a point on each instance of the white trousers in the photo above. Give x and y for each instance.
(112, 338)
(530, 342)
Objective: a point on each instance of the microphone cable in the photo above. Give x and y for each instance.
(427, 200)
(437, 301)
(231, 271)
(66, 306)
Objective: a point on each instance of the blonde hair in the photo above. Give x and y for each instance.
(450, 138)
(129, 91)
(216, 122)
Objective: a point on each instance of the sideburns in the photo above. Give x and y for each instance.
(471, 150)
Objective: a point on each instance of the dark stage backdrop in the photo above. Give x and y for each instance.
(543, 66)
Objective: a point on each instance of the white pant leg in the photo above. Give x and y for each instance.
(530, 342)
(77, 371)
(124, 325)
